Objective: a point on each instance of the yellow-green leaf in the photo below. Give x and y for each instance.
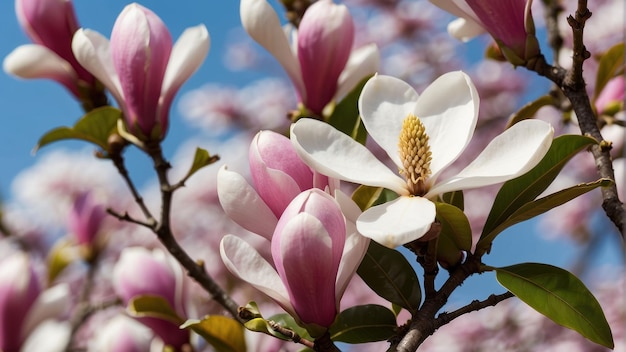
(154, 307)
(611, 64)
(201, 159)
(223, 333)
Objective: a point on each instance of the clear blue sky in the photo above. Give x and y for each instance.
(30, 108)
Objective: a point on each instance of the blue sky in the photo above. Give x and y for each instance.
(30, 108)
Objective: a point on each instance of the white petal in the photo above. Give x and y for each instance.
(261, 22)
(448, 108)
(243, 204)
(511, 154)
(355, 247)
(465, 29)
(187, 55)
(384, 104)
(92, 51)
(363, 62)
(400, 221)
(247, 264)
(50, 336)
(334, 154)
(37, 61)
(51, 303)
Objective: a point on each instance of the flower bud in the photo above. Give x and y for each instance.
(85, 219)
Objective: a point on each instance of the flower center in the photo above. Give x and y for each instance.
(415, 154)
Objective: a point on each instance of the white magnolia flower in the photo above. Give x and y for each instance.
(422, 135)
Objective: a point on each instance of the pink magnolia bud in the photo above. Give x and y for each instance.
(307, 248)
(122, 334)
(141, 45)
(278, 173)
(50, 24)
(141, 68)
(325, 38)
(19, 289)
(143, 272)
(85, 219)
(612, 95)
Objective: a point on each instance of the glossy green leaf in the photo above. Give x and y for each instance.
(455, 235)
(223, 333)
(367, 196)
(454, 198)
(560, 296)
(345, 117)
(95, 127)
(529, 110)
(360, 324)
(611, 64)
(521, 190)
(389, 274)
(201, 159)
(154, 307)
(542, 205)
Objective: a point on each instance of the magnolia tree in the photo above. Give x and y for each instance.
(341, 217)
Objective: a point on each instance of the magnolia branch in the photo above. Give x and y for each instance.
(492, 300)
(572, 84)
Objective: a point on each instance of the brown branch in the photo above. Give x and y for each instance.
(572, 84)
(293, 336)
(492, 300)
(118, 161)
(195, 270)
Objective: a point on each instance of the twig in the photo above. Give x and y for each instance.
(290, 333)
(118, 161)
(163, 231)
(492, 300)
(126, 217)
(572, 85)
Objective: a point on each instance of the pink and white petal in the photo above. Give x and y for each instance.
(247, 264)
(448, 108)
(37, 61)
(465, 29)
(262, 24)
(276, 188)
(51, 303)
(356, 245)
(334, 154)
(49, 336)
(363, 62)
(509, 155)
(188, 53)
(400, 221)
(92, 51)
(459, 8)
(243, 204)
(384, 104)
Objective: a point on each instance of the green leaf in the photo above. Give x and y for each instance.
(259, 324)
(154, 307)
(454, 198)
(611, 64)
(95, 127)
(560, 296)
(542, 205)
(389, 274)
(529, 110)
(367, 196)
(455, 235)
(360, 324)
(287, 321)
(201, 159)
(345, 117)
(521, 190)
(59, 257)
(223, 333)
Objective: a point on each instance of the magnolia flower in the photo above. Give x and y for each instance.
(143, 272)
(24, 306)
(323, 66)
(314, 258)
(612, 96)
(509, 22)
(122, 334)
(140, 67)
(51, 25)
(278, 175)
(85, 219)
(422, 135)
